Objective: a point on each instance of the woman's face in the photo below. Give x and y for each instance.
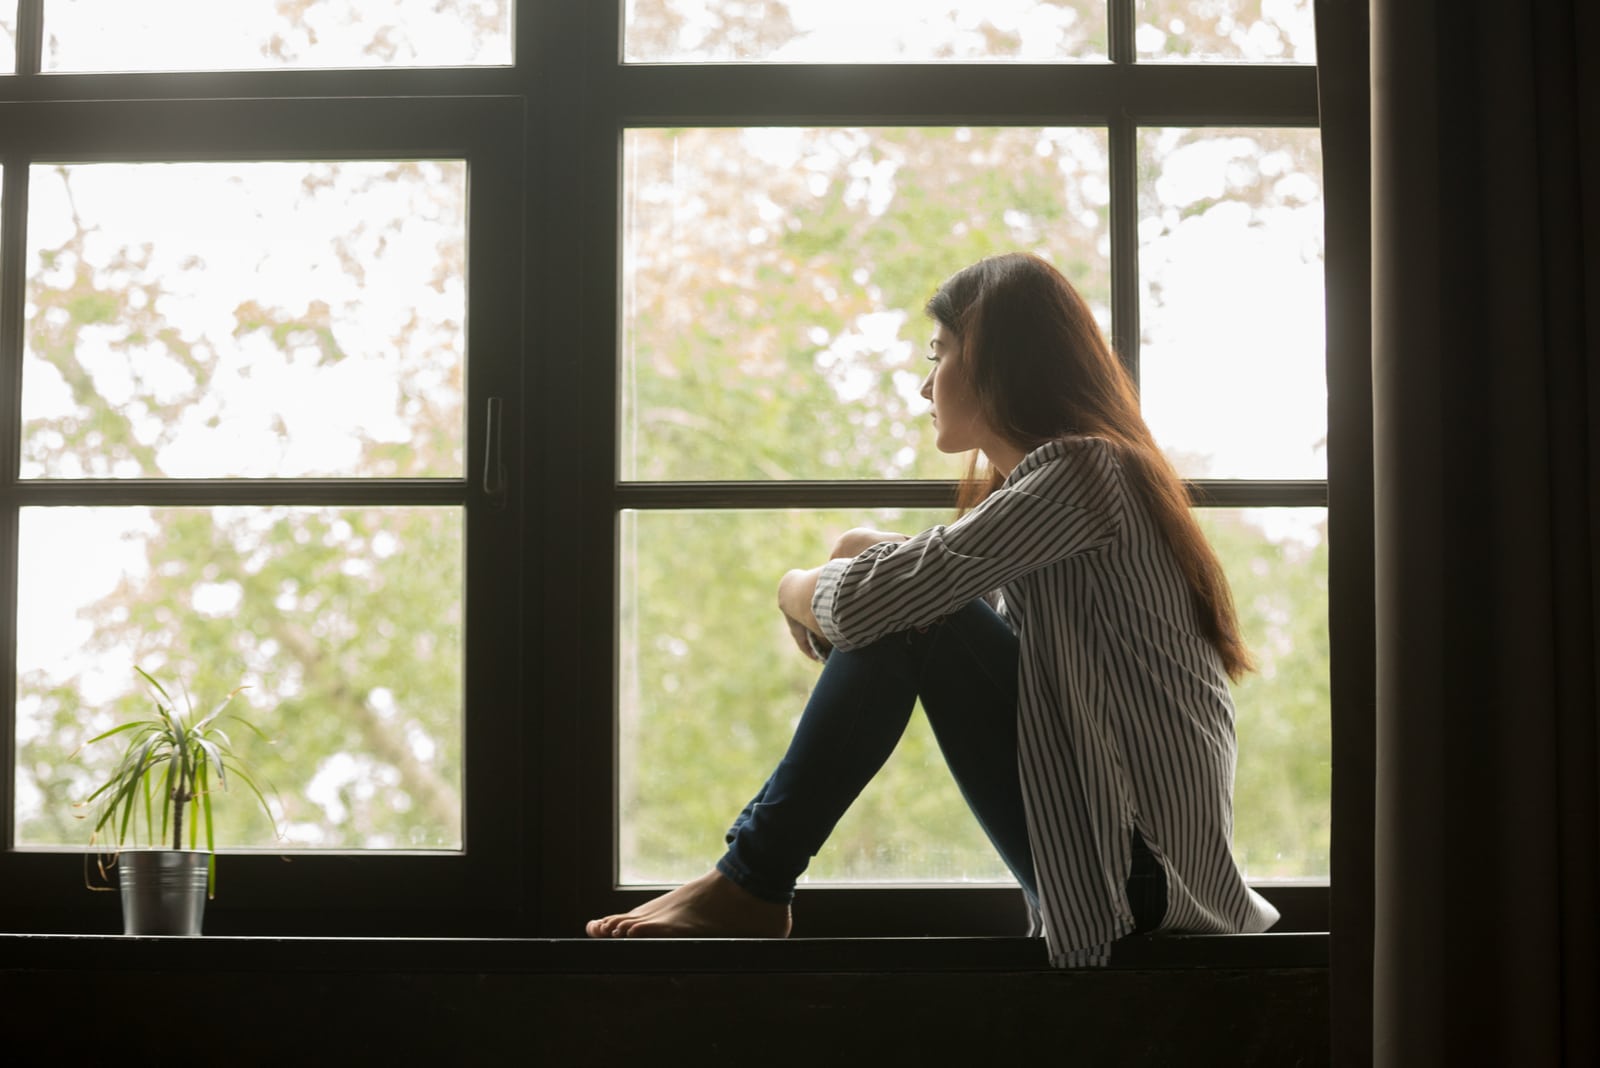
(958, 424)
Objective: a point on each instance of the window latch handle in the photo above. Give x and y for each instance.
(495, 483)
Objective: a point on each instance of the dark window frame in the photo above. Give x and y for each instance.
(541, 764)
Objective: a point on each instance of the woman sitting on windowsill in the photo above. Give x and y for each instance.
(1071, 637)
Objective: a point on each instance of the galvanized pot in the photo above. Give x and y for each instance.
(163, 891)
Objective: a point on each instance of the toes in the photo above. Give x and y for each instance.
(603, 927)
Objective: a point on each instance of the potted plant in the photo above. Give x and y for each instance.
(171, 760)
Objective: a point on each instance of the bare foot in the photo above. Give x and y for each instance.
(711, 906)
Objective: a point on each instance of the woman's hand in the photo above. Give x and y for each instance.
(858, 540)
(803, 638)
(796, 588)
(795, 591)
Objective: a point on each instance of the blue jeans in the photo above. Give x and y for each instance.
(964, 668)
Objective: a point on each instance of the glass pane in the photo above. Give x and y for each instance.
(774, 281)
(710, 690)
(116, 35)
(1232, 367)
(8, 40)
(711, 687)
(245, 319)
(345, 624)
(1245, 31)
(842, 31)
(1277, 563)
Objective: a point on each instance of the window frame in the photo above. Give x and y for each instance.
(540, 856)
(1122, 96)
(87, 118)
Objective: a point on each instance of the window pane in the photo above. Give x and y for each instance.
(8, 40)
(1249, 31)
(245, 319)
(1277, 563)
(1232, 362)
(883, 31)
(116, 35)
(711, 687)
(345, 624)
(774, 281)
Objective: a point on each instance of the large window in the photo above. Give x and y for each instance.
(461, 375)
(772, 272)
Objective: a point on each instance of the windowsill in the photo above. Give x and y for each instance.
(58, 952)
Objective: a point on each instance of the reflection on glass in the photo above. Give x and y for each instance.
(245, 319)
(345, 624)
(711, 687)
(842, 31)
(117, 35)
(1276, 560)
(774, 281)
(1232, 368)
(1240, 31)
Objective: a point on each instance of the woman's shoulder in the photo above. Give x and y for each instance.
(1074, 456)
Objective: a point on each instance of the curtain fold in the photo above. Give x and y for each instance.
(1486, 409)
(1344, 105)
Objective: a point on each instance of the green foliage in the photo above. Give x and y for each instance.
(711, 689)
(1282, 818)
(170, 760)
(347, 622)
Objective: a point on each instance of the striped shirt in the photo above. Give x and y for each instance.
(1124, 720)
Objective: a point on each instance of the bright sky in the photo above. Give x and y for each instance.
(122, 35)
(850, 31)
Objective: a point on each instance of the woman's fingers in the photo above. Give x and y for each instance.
(801, 636)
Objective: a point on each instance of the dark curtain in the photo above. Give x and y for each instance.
(1344, 99)
(1486, 450)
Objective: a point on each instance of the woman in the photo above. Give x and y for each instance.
(1071, 636)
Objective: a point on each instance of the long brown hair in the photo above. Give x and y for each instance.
(1041, 370)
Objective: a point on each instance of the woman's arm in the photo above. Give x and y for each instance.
(1070, 502)
(797, 588)
(795, 591)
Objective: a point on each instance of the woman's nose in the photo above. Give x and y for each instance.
(927, 386)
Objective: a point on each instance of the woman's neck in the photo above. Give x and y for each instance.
(1003, 456)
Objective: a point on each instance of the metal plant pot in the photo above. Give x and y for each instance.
(163, 891)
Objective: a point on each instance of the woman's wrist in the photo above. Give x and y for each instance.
(795, 591)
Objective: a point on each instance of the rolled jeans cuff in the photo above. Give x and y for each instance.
(751, 883)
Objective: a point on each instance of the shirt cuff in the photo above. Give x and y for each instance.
(828, 580)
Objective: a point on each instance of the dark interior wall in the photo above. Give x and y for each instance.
(1174, 1016)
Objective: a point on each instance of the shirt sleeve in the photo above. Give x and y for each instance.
(1063, 507)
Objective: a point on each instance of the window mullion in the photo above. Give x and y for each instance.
(30, 36)
(13, 284)
(13, 271)
(1119, 30)
(1124, 169)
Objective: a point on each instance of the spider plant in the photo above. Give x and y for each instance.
(171, 760)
